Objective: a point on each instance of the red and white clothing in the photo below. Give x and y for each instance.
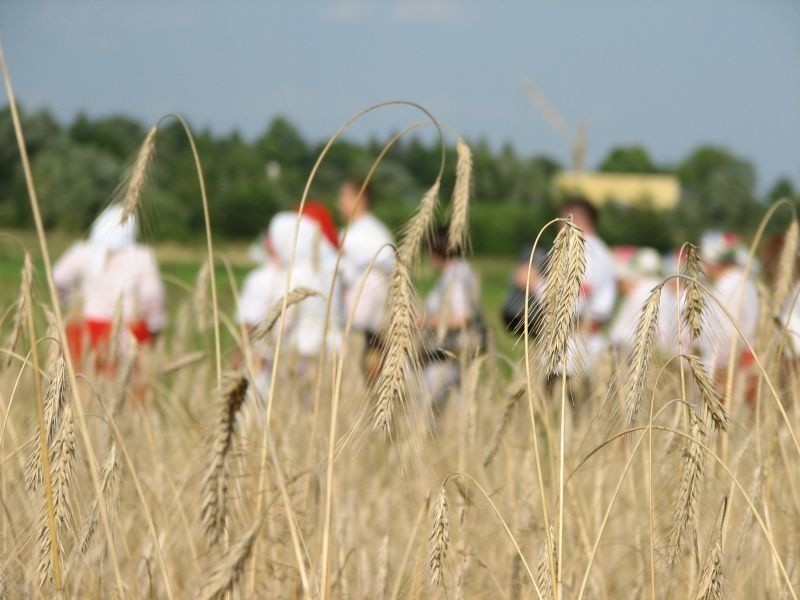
(111, 272)
(739, 295)
(312, 267)
(366, 239)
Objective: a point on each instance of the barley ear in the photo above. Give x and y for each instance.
(458, 232)
(137, 176)
(215, 484)
(439, 538)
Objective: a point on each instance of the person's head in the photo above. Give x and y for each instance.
(348, 203)
(637, 264)
(440, 250)
(720, 251)
(584, 213)
(110, 232)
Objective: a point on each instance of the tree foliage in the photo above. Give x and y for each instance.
(78, 167)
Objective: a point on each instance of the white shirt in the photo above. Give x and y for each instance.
(791, 319)
(127, 277)
(366, 239)
(623, 326)
(599, 287)
(729, 288)
(455, 294)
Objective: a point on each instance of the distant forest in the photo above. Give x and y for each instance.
(77, 167)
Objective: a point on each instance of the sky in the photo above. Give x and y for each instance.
(666, 74)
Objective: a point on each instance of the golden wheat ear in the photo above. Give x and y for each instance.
(566, 267)
(643, 342)
(215, 486)
(136, 180)
(226, 574)
(439, 539)
(22, 306)
(786, 271)
(694, 300)
(416, 230)
(711, 583)
(458, 232)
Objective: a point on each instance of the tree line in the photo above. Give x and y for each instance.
(78, 166)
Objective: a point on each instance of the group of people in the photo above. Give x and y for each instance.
(347, 273)
(618, 282)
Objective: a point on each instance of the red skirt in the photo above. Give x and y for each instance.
(96, 334)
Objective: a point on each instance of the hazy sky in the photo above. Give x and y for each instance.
(668, 75)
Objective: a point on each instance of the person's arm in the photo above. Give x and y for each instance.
(68, 270)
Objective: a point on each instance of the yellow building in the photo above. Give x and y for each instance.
(658, 191)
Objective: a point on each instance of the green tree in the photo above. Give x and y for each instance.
(628, 159)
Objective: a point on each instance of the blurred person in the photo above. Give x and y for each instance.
(312, 267)
(365, 290)
(112, 275)
(513, 311)
(452, 323)
(724, 257)
(639, 271)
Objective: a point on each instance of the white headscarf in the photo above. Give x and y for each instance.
(110, 234)
(311, 244)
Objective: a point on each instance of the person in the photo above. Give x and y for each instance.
(111, 274)
(452, 322)
(311, 255)
(735, 290)
(365, 290)
(639, 271)
(514, 306)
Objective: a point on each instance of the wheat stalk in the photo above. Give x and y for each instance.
(54, 402)
(786, 268)
(21, 306)
(502, 426)
(566, 267)
(439, 538)
(62, 455)
(458, 232)
(215, 484)
(417, 228)
(712, 576)
(137, 176)
(694, 301)
(710, 395)
(398, 355)
(643, 341)
(295, 296)
(109, 476)
(688, 489)
(225, 575)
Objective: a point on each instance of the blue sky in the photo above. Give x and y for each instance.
(669, 75)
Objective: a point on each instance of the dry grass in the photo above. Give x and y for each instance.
(177, 487)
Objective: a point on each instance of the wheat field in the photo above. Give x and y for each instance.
(176, 475)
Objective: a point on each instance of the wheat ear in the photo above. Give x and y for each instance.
(54, 402)
(694, 300)
(643, 342)
(786, 268)
(688, 489)
(228, 571)
(137, 176)
(502, 426)
(215, 485)
(439, 538)
(109, 487)
(710, 395)
(458, 232)
(417, 228)
(21, 306)
(566, 267)
(296, 296)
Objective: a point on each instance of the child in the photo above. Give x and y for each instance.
(111, 272)
(452, 321)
